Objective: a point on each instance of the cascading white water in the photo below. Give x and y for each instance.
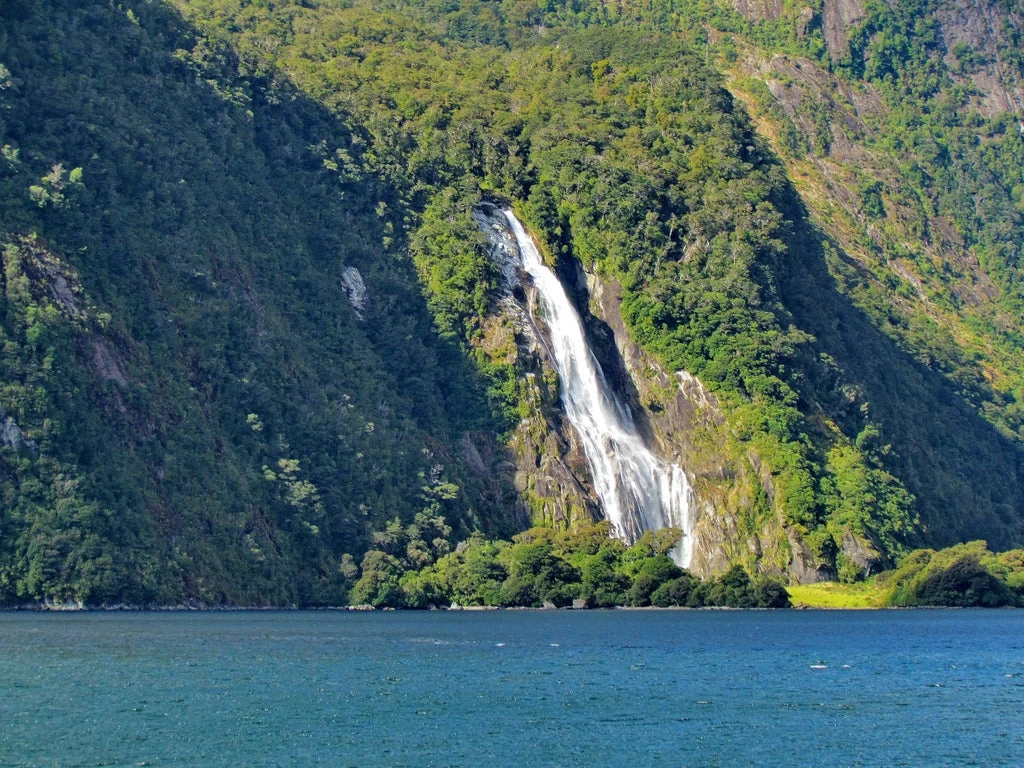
(638, 490)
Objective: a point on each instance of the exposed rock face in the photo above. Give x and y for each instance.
(979, 25)
(355, 289)
(11, 436)
(836, 17)
(106, 363)
(771, 10)
(861, 553)
(795, 81)
(759, 9)
(805, 568)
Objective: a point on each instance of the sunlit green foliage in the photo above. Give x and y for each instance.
(965, 575)
(543, 567)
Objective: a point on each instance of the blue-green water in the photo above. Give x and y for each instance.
(514, 688)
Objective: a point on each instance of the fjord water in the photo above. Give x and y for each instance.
(513, 688)
(638, 490)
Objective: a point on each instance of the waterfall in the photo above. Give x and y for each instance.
(637, 490)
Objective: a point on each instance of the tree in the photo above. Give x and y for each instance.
(652, 574)
(538, 575)
(602, 584)
(474, 573)
(379, 583)
(683, 590)
(964, 583)
(732, 589)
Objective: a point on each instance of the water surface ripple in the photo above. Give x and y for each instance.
(513, 688)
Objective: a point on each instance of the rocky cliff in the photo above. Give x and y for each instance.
(735, 515)
(551, 473)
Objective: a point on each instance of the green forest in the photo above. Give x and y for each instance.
(199, 404)
(542, 567)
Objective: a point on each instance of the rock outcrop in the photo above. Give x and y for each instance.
(355, 289)
(837, 16)
(972, 32)
(760, 9)
(12, 437)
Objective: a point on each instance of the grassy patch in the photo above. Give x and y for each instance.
(832, 594)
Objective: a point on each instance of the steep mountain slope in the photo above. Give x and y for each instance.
(905, 144)
(198, 403)
(249, 316)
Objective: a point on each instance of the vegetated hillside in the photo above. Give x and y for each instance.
(905, 143)
(863, 334)
(197, 401)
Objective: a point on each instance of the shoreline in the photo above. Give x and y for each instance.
(203, 608)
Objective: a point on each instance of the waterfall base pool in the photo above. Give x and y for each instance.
(513, 688)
